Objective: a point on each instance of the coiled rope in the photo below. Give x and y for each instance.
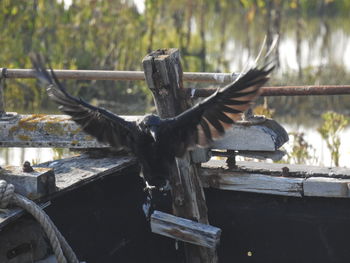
(63, 252)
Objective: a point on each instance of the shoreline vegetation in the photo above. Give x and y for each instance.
(212, 36)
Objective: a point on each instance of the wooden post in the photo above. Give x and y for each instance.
(163, 73)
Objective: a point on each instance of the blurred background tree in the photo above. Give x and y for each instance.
(220, 35)
(213, 36)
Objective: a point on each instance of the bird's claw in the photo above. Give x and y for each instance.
(149, 187)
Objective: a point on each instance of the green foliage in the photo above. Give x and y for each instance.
(114, 35)
(301, 152)
(333, 124)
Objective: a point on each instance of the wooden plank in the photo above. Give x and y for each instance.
(185, 230)
(278, 179)
(40, 130)
(267, 136)
(225, 179)
(327, 187)
(277, 169)
(74, 172)
(78, 170)
(33, 185)
(163, 73)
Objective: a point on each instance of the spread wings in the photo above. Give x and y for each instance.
(209, 119)
(98, 122)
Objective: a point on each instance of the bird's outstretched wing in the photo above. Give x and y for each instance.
(98, 122)
(209, 119)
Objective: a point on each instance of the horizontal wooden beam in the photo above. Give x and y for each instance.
(248, 182)
(185, 230)
(36, 184)
(76, 171)
(265, 136)
(40, 130)
(277, 179)
(327, 187)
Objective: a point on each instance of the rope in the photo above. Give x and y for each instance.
(61, 248)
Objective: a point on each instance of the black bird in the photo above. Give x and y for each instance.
(155, 141)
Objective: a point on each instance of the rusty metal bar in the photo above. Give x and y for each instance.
(283, 91)
(218, 78)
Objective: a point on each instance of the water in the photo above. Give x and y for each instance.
(320, 152)
(17, 156)
(325, 53)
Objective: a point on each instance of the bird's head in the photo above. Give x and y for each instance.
(150, 124)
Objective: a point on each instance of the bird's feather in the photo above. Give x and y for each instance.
(98, 122)
(211, 118)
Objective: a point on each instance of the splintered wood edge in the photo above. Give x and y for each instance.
(185, 230)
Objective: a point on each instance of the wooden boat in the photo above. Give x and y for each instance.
(265, 212)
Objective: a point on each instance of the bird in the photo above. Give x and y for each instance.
(157, 142)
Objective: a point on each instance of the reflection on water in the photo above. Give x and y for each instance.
(321, 154)
(17, 156)
(324, 52)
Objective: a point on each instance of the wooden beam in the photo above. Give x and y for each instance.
(163, 74)
(290, 170)
(40, 130)
(327, 187)
(247, 182)
(278, 179)
(185, 230)
(265, 136)
(33, 185)
(76, 171)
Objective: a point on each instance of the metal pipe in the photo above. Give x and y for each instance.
(283, 91)
(120, 75)
(218, 78)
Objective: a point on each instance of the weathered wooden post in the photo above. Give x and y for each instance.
(163, 73)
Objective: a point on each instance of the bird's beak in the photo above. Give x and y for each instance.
(153, 131)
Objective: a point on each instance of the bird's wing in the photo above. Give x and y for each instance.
(100, 123)
(209, 119)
